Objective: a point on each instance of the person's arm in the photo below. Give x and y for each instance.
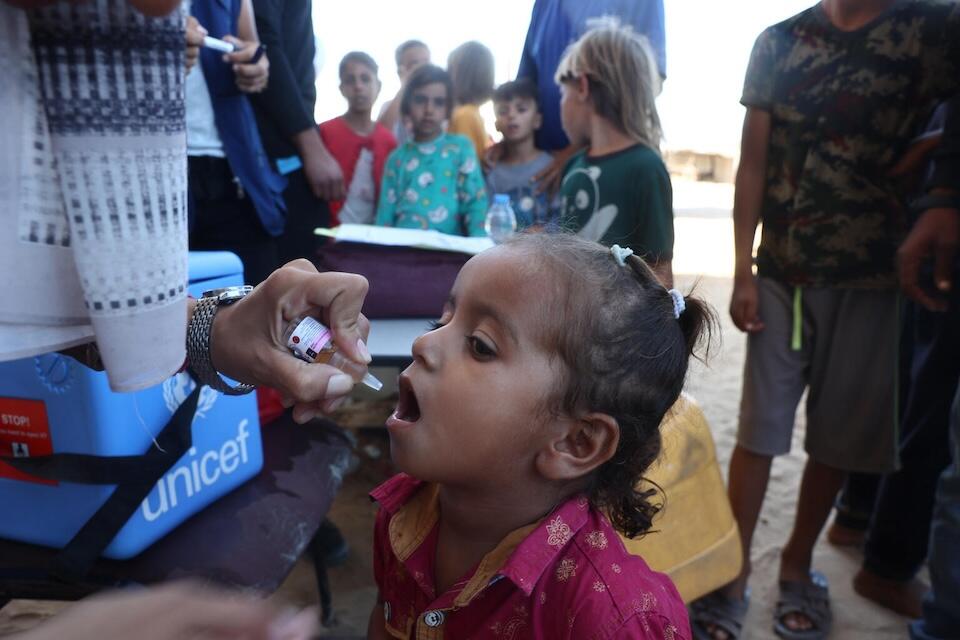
(390, 113)
(472, 194)
(936, 233)
(281, 100)
(747, 203)
(548, 180)
(171, 612)
(750, 185)
(389, 194)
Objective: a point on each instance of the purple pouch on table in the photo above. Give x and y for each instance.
(404, 282)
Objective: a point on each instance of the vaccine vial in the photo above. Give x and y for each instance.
(310, 340)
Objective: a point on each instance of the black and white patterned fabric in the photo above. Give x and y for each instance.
(102, 179)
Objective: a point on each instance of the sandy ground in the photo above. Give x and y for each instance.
(704, 259)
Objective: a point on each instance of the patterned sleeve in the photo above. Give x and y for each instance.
(387, 206)
(471, 192)
(759, 84)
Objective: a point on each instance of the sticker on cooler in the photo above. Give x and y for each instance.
(24, 432)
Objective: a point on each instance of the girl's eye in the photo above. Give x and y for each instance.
(433, 325)
(480, 348)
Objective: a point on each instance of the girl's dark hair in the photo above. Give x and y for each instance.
(471, 67)
(624, 353)
(427, 74)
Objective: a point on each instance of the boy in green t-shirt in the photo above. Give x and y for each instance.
(617, 190)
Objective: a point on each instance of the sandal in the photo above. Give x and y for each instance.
(720, 611)
(812, 601)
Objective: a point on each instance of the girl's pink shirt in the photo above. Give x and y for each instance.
(567, 576)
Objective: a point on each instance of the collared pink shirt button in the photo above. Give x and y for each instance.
(433, 618)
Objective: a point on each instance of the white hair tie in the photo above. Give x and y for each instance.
(679, 304)
(621, 254)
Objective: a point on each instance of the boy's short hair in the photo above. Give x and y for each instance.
(409, 44)
(523, 88)
(472, 66)
(359, 57)
(427, 74)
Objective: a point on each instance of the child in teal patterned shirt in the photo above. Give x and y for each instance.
(434, 181)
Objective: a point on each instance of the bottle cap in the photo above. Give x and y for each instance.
(371, 381)
(501, 198)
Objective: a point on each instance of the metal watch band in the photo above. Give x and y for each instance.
(198, 349)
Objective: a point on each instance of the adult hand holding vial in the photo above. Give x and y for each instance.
(247, 340)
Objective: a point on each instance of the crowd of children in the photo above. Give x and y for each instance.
(428, 161)
(535, 387)
(614, 189)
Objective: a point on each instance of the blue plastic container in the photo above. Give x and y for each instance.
(84, 416)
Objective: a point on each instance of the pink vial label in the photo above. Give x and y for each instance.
(309, 339)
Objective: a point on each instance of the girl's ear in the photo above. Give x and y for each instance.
(583, 444)
(583, 87)
(537, 121)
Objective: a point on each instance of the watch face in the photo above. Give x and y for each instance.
(226, 295)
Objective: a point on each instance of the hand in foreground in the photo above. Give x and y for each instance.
(250, 77)
(247, 337)
(195, 34)
(936, 235)
(171, 612)
(745, 304)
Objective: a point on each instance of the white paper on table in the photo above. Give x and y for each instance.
(416, 238)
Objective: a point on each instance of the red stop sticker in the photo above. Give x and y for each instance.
(24, 433)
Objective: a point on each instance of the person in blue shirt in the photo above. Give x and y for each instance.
(235, 197)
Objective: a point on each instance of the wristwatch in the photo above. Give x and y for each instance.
(198, 339)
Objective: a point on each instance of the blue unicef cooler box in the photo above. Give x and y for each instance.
(53, 404)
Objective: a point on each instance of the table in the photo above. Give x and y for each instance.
(251, 538)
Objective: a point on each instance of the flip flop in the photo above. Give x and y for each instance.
(720, 611)
(809, 600)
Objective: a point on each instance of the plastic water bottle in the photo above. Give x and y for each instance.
(501, 222)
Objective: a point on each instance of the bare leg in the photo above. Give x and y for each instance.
(746, 487)
(818, 490)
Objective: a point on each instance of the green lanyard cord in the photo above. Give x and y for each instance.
(796, 341)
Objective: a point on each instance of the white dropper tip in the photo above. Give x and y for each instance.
(371, 381)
